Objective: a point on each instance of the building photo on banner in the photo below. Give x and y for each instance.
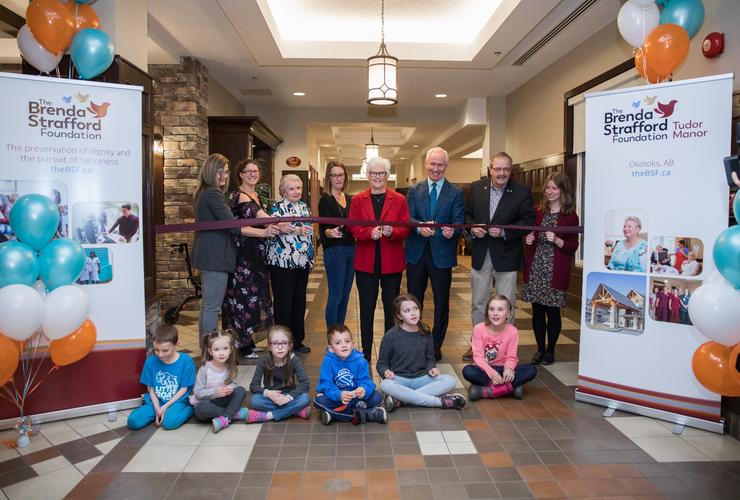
(645, 255)
(71, 285)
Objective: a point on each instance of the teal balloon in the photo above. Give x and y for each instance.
(34, 219)
(727, 254)
(61, 263)
(92, 52)
(689, 14)
(18, 264)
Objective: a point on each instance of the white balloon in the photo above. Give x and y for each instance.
(714, 309)
(21, 311)
(33, 52)
(643, 3)
(635, 22)
(65, 309)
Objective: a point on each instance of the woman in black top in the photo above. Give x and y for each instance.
(338, 243)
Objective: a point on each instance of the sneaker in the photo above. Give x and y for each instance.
(537, 358)
(468, 356)
(325, 417)
(453, 401)
(304, 413)
(548, 358)
(242, 414)
(254, 416)
(475, 392)
(391, 404)
(518, 392)
(364, 415)
(219, 423)
(302, 349)
(251, 355)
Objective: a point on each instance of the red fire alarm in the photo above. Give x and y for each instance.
(713, 45)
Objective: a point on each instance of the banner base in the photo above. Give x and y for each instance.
(82, 411)
(675, 418)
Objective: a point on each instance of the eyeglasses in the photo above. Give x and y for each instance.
(336, 176)
(500, 170)
(378, 175)
(251, 172)
(280, 344)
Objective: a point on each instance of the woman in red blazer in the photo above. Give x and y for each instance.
(379, 256)
(549, 259)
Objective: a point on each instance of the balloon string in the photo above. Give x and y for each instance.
(54, 367)
(37, 366)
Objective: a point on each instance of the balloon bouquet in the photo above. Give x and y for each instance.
(660, 38)
(32, 312)
(52, 26)
(715, 311)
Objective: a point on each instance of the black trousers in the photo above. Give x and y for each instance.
(367, 290)
(417, 276)
(289, 300)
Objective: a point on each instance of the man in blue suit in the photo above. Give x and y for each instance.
(432, 253)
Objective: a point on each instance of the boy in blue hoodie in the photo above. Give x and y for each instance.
(346, 392)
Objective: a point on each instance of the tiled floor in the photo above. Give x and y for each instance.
(545, 446)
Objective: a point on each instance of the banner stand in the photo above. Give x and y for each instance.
(110, 408)
(675, 418)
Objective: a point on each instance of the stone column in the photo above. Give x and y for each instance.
(180, 98)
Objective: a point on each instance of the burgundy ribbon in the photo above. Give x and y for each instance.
(338, 221)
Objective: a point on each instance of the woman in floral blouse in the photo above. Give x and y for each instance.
(290, 259)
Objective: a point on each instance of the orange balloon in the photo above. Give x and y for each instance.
(51, 24)
(665, 48)
(75, 346)
(8, 359)
(85, 16)
(644, 71)
(711, 363)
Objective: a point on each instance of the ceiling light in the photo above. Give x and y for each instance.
(415, 146)
(372, 150)
(381, 71)
(299, 94)
(402, 158)
(440, 96)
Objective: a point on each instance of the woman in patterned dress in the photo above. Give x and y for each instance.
(247, 305)
(548, 263)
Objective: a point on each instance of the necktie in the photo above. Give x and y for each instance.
(432, 199)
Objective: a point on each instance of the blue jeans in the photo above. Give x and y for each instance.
(419, 391)
(339, 263)
(260, 402)
(522, 374)
(343, 412)
(177, 414)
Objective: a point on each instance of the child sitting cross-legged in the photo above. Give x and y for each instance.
(346, 392)
(217, 397)
(169, 377)
(280, 385)
(406, 362)
(496, 371)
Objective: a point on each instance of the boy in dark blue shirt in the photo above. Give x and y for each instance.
(169, 377)
(346, 392)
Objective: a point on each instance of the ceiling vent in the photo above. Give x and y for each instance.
(554, 32)
(256, 92)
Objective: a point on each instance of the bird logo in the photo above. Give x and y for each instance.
(99, 110)
(649, 100)
(636, 104)
(67, 98)
(81, 97)
(665, 110)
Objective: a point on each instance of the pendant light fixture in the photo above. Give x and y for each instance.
(372, 150)
(381, 71)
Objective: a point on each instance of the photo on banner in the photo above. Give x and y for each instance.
(98, 266)
(625, 240)
(676, 255)
(107, 222)
(669, 299)
(615, 303)
(11, 190)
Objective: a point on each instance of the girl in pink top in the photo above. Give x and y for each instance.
(496, 371)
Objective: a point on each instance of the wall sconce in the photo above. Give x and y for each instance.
(158, 144)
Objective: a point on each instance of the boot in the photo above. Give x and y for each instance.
(496, 391)
(363, 415)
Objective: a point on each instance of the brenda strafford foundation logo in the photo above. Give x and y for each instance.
(67, 119)
(650, 119)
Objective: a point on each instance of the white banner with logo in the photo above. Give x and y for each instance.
(79, 143)
(655, 200)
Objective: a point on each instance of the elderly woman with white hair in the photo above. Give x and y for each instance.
(630, 254)
(290, 260)
(379, 255)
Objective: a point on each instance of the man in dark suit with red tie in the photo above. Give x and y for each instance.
(432, 253)
(497, 253)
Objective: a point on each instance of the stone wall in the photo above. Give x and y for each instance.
(180, 100)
